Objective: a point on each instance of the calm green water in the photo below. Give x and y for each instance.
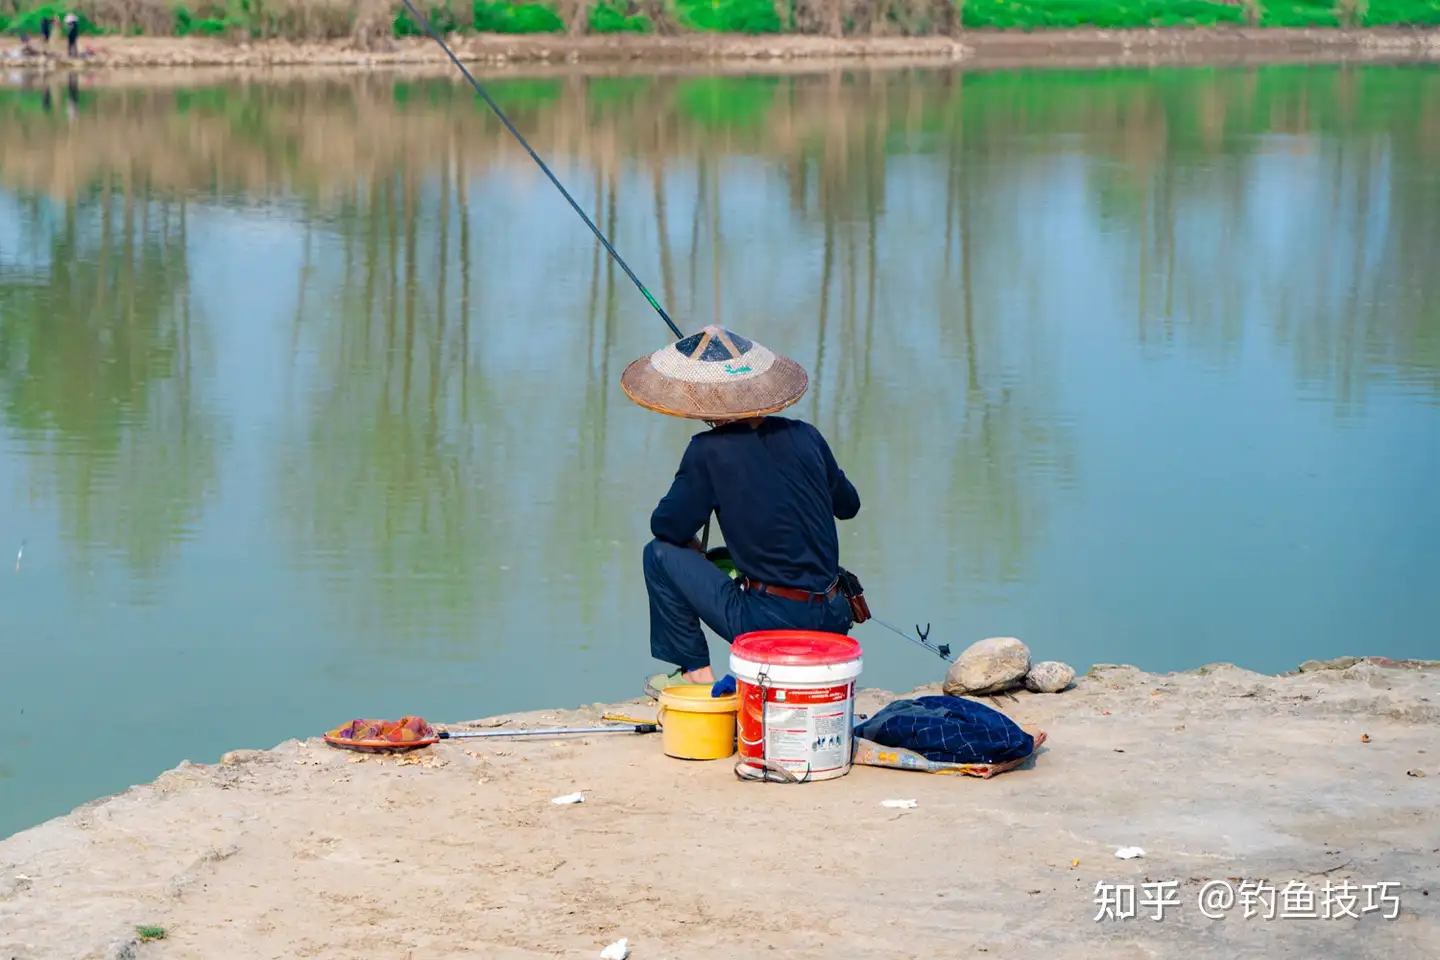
(309, 402)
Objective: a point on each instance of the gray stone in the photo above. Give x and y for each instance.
(1049, 676)
(1339, 663)
(988, 666)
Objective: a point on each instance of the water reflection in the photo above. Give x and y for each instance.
(98, 372)
(1066, 330)
(381, 473)
(1188, 177)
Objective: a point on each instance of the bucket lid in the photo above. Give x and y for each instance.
(795, 648)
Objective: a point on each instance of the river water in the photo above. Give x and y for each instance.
(309, 401)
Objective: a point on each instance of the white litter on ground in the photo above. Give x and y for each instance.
(618, 950)
(898, 804)
(1129, 853)
(570, 798)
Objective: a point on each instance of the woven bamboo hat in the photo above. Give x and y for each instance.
(714, 375)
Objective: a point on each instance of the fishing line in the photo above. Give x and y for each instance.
(425, 22)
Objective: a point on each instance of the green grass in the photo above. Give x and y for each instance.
(1410, 13)
(257, 18)
(506, 17)
(1119, 14)
(730, 16)
(146, 934)
(1299, 13)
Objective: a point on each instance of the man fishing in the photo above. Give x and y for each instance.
(773, 485)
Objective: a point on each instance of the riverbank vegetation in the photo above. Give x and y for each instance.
(321, 20)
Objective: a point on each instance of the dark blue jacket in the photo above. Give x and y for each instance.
(776, 491)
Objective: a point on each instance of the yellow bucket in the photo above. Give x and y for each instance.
(695, 725)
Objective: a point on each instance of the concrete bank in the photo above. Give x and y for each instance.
(1328, 776)
(979, 48)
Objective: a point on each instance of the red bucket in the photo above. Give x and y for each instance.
(796, 702)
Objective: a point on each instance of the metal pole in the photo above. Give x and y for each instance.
(548, 732)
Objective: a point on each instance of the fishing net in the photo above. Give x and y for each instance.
(381, 736)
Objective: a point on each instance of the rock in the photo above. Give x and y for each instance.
(1049, 676)
(237, 757)
(988, 666)
(1339, 663)
(1115, 676)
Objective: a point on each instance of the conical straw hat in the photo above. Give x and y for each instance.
(714, 375)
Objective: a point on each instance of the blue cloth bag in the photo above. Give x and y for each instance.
(948, 730)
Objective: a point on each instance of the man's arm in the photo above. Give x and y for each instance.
(688, 503)
(843, 496)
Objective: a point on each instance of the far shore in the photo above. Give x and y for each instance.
(1325, 780)
(755, 53)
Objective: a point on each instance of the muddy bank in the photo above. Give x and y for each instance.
(1328, 775)
(1052, 48)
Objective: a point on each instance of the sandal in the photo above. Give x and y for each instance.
(661, 681)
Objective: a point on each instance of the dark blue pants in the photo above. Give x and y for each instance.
(685, 589)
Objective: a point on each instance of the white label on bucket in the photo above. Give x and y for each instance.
(808, 735)
(803, 727)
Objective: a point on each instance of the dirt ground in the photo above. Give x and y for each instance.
(1220, 775)
(1050, 47)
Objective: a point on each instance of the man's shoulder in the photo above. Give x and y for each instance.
(772, 424)
(790, 423)
(799, 428)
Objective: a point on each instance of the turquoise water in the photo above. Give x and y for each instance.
(309, 401)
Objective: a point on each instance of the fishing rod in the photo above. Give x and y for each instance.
(425, 22)
(921, 637)
(609, 248)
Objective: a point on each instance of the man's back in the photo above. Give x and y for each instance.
(776, 490)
